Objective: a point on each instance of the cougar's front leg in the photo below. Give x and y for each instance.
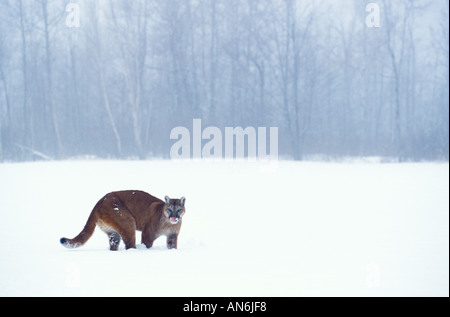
(172, 241)
(147, 238)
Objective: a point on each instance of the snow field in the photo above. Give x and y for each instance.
(250, 229)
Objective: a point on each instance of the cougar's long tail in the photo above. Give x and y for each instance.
(83, 236)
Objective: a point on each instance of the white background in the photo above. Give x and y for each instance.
(251, 229)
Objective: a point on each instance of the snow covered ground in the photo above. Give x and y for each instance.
(250, 229)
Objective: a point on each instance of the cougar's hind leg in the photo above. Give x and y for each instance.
(126, 225)
(118, 223)
(113, 236)
(114, 240)
(129, 238)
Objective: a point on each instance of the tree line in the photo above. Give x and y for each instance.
(115, 83)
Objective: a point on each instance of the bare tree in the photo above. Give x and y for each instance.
(100, 59)
(117, 85)
(48, 64)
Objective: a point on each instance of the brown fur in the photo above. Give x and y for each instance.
(120, 214)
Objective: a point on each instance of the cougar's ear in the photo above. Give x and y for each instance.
(167, 199)
(182, 200)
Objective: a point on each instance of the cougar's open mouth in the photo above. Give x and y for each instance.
(173, 220)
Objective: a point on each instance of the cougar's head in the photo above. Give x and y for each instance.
(174, 209)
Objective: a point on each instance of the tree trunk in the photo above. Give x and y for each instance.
(104, 91)
(28, 132)
(49, 80)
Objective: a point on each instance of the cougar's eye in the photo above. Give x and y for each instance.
(179, 211)
(169, 211)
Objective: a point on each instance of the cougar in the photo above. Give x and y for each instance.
(119, 214)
